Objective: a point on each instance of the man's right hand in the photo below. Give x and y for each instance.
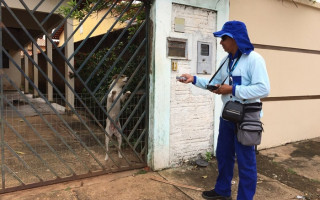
(189, 78)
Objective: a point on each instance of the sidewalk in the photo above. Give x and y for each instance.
(287, 172)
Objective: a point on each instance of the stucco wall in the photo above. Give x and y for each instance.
(285, 34)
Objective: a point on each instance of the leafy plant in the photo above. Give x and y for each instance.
(208, 156)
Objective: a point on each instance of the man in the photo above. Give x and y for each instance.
(243, 77)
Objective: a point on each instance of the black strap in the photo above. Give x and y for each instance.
(217, 71)
(240, 54)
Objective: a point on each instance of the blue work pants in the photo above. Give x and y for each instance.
(227, 148)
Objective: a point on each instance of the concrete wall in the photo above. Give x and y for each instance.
(89, 25)
(285, 34)
(31, 4)
(181, 124)
(12, 71)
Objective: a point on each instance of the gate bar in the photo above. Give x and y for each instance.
(1, 102)
(21, 160)
(113, 45)
(54, 9)
(129, 81)
(47, 123)
(29, 146)
(37, 6)
(112, 121)
(68, 63)
(101, 40)
(49, 81)
(41, 138)
(58, 72)
(43, 97)
(62, 22)
(82, 21)
(148, 55)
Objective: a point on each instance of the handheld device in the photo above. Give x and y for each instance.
(212, 87)
(181, 78)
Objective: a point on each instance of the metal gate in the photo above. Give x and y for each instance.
(71, 73)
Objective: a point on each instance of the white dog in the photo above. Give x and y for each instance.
(110, 127)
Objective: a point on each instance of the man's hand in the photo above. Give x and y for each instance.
(189, 78)
(223, 89)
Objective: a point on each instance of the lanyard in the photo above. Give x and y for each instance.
(230, 67)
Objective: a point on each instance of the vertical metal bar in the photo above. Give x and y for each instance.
(147, 18)
(1, 103)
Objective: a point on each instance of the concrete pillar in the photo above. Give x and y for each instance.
(35, 70)
(49, 70)
(159, 139)
(69, 49)
(26, 71)
(16, 55)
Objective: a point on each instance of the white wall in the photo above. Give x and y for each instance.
(168, 141)
(191, 116)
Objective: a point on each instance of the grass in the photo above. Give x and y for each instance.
(291, 171)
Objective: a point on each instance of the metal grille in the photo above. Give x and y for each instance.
(54, 94)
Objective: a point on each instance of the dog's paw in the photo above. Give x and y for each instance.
(127, 93)
(119, 154)
(107, 157)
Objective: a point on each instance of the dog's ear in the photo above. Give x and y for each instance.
(115, 76)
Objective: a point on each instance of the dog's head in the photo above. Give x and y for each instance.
(121, 81)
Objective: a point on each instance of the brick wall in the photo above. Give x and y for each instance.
(192, 109)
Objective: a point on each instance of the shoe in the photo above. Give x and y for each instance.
(213, 195)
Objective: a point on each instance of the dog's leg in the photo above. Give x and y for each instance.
(125, 96)
(112, 96)
(119, 138)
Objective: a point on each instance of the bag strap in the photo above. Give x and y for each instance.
(218, 71)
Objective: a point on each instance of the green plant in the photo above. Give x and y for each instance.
(208, 156)
(291, 171)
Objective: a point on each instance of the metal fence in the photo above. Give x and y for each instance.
(54, 97)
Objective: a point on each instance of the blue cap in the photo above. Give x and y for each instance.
(238, 31)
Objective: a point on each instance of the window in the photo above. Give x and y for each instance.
(177, 48)
(204, 49)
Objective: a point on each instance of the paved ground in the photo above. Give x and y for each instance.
(287, 172)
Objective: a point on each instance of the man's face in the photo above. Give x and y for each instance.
(229, 44)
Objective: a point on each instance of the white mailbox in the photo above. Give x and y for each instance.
(204, 60)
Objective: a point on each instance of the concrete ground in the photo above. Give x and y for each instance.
(287, 172)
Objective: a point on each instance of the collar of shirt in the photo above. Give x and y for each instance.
(235, 56)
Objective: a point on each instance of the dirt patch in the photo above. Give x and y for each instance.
(306, 149)
(268, 167)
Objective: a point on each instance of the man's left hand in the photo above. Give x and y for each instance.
(223, 89)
